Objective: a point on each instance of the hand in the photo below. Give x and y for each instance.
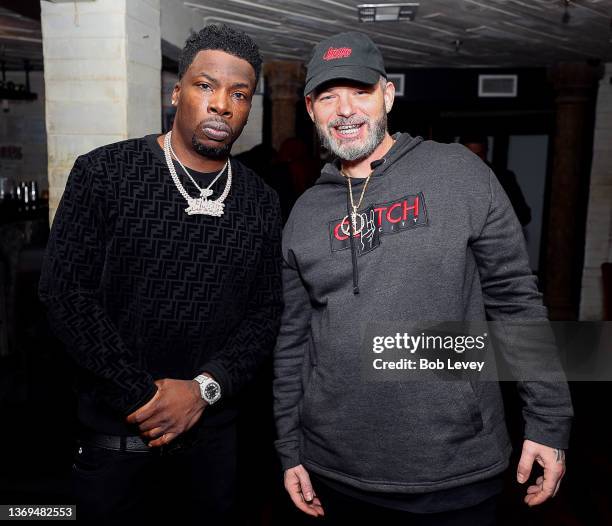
(297, 484)
(553, 462)
(174, 409)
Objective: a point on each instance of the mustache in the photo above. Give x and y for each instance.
(216, 124)
(348, 121)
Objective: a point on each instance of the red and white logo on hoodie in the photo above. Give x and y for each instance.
(396, 216)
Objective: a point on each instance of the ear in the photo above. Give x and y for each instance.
(176, 93)
(389, 95)
(309, 104)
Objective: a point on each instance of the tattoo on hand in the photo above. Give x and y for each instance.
(560, 458)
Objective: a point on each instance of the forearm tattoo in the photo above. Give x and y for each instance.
(560, 456)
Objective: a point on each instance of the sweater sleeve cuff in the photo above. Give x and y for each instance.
(288, 453)
(220, 375)
(551, 431)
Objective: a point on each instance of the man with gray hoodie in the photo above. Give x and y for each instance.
(399, 229)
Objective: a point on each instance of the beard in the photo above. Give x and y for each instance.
(211, 152)
(352, 151)
(217, 152)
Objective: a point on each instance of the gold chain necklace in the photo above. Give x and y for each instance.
(354, 206)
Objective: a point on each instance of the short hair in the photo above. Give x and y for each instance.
(222, 38)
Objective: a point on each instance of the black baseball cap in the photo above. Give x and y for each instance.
(351, 56)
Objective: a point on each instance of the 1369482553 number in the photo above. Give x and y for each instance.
(37, 512)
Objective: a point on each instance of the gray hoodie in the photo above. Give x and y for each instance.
(440, 242)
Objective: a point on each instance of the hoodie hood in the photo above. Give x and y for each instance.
(404, 143)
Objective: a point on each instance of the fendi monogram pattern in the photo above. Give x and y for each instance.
(138, 290)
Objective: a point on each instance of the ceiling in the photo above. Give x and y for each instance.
(445, 33)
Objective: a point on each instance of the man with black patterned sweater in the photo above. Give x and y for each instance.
(162, 278)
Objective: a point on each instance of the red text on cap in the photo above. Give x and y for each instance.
(337, 52)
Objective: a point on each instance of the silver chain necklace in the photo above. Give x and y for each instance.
(198, 205)
(355, 207)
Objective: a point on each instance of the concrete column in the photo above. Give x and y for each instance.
(575, 84)
(285, 80)
(102, 64)
(598, 245)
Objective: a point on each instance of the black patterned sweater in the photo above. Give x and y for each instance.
(138, 290)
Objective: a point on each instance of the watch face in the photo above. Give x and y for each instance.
(211, 391)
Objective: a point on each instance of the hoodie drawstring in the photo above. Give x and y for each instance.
(353, 251)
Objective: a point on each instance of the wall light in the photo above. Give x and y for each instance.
(387, 12)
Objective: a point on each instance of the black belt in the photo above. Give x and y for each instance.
(114, 442)
(135, 443)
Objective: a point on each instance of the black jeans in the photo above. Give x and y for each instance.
(342, 509)
(192, 485)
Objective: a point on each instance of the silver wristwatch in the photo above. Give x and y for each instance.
(210, 390)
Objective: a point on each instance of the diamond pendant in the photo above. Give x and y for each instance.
(203, 206)
(205, 192)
